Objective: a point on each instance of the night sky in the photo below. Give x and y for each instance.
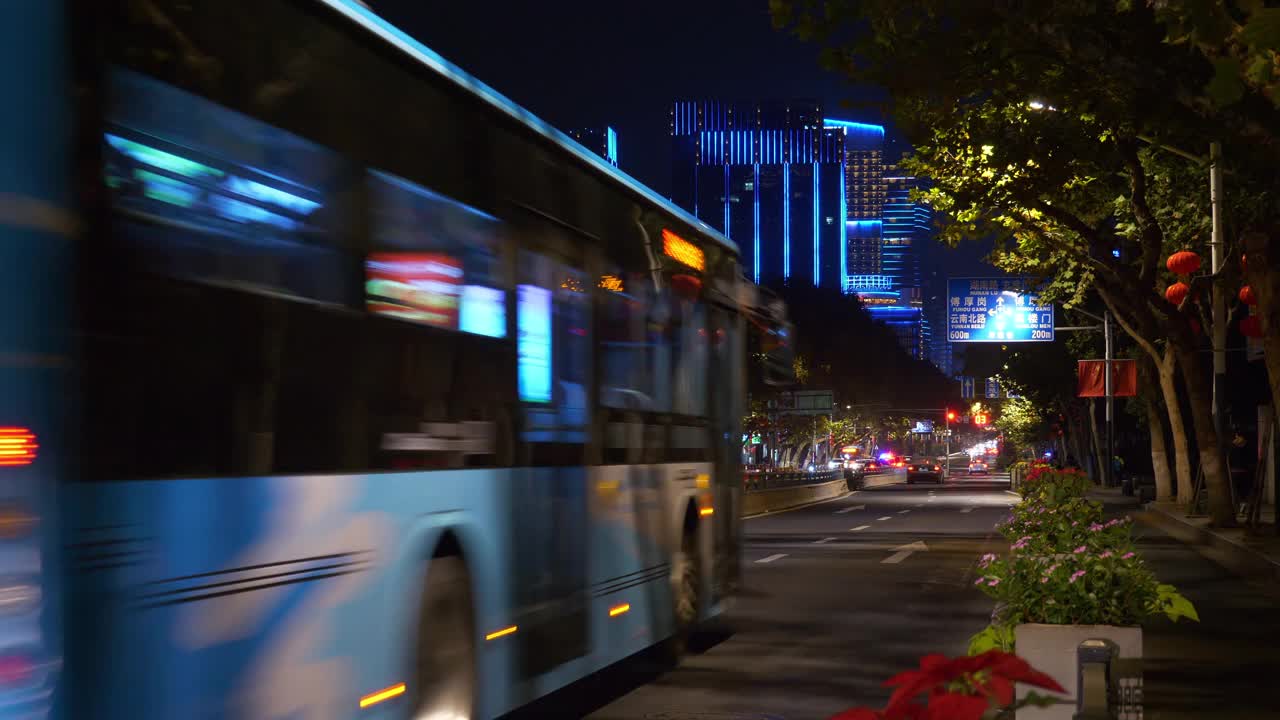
(580, 63)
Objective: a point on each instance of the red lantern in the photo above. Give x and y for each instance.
(1250, 326)
(1183, 262)
(1248, 296)
(1177, 292)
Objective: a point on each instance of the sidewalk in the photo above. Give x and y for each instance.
(1227, 665)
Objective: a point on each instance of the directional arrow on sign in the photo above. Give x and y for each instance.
(903, 552)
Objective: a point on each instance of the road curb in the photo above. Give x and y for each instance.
(1234, 556)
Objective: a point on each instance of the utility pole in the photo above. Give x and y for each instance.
(1216, 260)
(1109, 470)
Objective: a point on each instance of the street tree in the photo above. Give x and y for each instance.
(1043, 123)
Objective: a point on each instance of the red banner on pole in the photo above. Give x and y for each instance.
(1124, 378)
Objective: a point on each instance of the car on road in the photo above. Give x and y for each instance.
(924, 471)
(978, 467)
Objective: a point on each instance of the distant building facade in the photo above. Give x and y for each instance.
(771, 177)
(601, 141)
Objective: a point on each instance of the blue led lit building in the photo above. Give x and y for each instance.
(603, 142)
(865, 193)
(769, 175)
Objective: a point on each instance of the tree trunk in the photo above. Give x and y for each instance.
(1159, 454)
(1216, 478)
(1166, 369)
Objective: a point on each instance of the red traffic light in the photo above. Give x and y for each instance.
(951, 414)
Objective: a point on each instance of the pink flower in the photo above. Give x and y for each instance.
(993, 582)
(1106, 554)
(986, 560)
(978, 581)
(1076, 575)
(1044, 579)
(1080, 549)
(1127, 555)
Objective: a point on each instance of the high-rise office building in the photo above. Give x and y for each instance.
(769, 175)
(601, 141)
(865, 192)
(908, 227)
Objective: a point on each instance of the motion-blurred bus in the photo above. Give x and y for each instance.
(332, 383)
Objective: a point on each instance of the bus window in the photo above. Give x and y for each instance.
(627, 378)
(553, 346)
(436, 261)
(689, 351)
(206, 194)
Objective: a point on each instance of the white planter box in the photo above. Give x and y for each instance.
(1052, 650)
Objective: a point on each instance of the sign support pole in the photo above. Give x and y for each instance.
(1108, 472)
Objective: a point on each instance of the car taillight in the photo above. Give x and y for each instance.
(935, 467)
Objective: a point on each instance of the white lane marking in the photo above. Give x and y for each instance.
(851, 508)
(886, 517)
(771, 558)
(904, 552)
(918, 505)
(904, 512)
(859, 528)
(931, 499)
(823, 541)
(965, 510)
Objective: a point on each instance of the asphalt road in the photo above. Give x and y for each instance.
(838, 597)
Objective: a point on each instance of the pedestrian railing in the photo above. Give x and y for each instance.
(774, 479)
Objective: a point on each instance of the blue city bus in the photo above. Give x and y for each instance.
(334, 384)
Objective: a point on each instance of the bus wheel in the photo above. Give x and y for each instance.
(686, 590)
(445, 683)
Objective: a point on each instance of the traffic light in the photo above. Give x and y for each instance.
(951, 415)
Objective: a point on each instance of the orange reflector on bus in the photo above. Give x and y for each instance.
(707, 511)
(386, 694)
(502, 633)
(17, 446)
(703, 481)
(617, 610)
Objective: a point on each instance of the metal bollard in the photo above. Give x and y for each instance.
(1094, 693)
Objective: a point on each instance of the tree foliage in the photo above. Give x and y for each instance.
(1060, 127)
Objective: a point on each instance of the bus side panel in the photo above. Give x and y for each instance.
(630, 560)
(263, 597)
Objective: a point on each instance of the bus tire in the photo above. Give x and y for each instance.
(444, 680)
(686, 589)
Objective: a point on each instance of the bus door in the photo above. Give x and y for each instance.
(548, 503)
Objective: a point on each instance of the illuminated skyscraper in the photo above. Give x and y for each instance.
(771, 177)
(602, 141)
(865, 195)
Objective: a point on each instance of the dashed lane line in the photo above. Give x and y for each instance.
(860, 528)
(966, 510)
(904, 512)
(823, 541)
(771, 558)
(886, 517)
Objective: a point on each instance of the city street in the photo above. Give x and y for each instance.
(841, 595)
(838, 597)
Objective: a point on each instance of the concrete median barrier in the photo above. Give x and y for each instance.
(764, 501)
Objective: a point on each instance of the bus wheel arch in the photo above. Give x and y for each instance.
(444, 669)
(686, 583)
